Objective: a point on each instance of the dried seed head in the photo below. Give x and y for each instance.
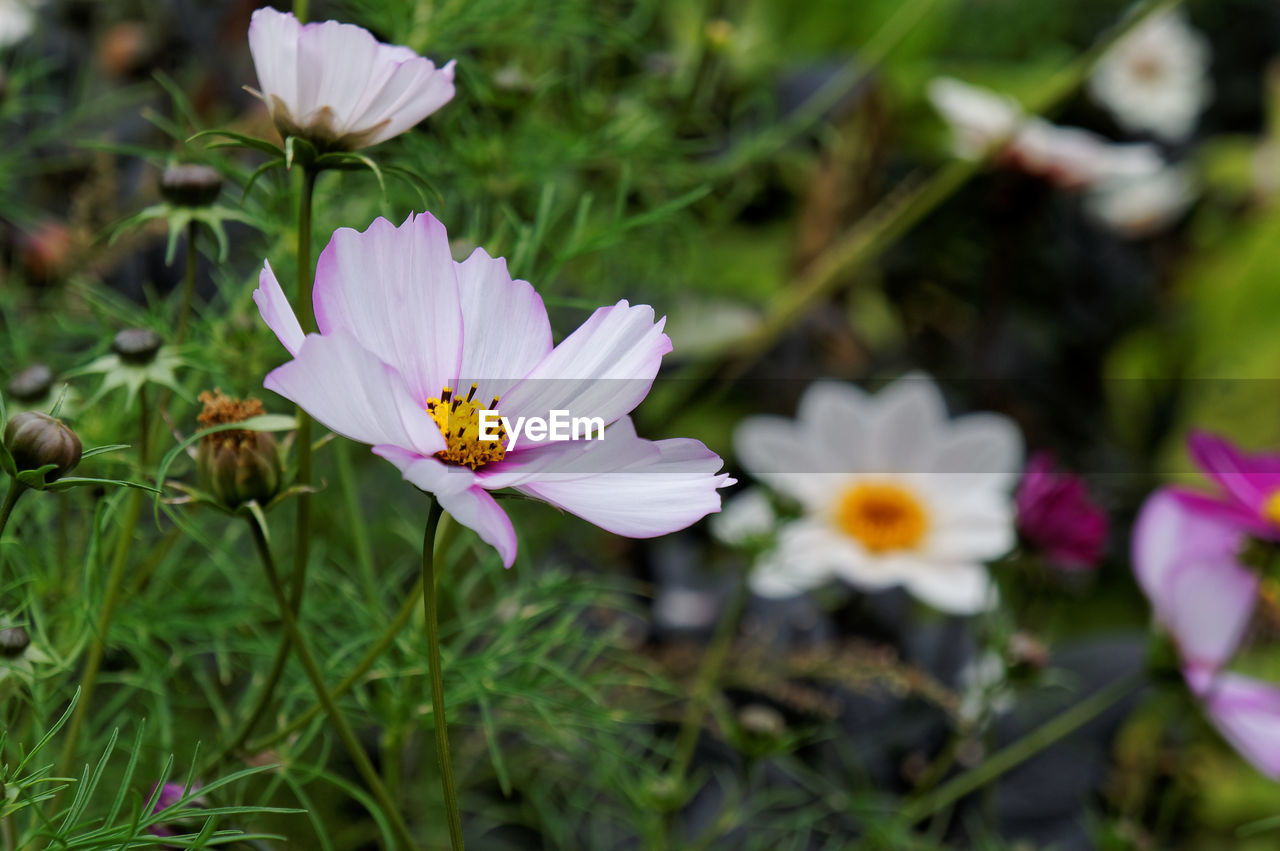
(237, 465)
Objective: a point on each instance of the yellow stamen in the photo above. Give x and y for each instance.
(882, 517)
(1271, 508)
(459, 421)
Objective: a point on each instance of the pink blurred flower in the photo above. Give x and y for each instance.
(337, 86)
(1056, 515)
(1186, 556)
(403, 326)
(170, 794)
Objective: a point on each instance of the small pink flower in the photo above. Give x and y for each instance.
(1186, 557)
(1056, 515)
(170, 794)
(414, 347)
(339, 87)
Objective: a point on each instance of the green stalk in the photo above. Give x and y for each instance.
(371, 657)
(10, 500)
(300, 9)
(1020, 751)
(316, 676)
(306, 316)
(188, 283)
(359, 535)
(708, 676)
(437, 679)
(115, 578)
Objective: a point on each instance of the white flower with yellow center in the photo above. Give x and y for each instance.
(892, 493)
(1156, 79)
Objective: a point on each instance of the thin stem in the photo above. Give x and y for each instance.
(316, 676)
(10, 500)
(437, 679)
(1023, 749)
(300, 9)
(371, 657)
(708, 676)
(115, 578)
(188, 283)
(302, 529)
(359, 536)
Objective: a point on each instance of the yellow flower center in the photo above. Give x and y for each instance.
(882, 517)
(459, 422)
(1271, 508)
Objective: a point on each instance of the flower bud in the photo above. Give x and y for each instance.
(137, 346)
(35, 439)
(190, 185)
(237, 465)
(14, 641)
(32, 384)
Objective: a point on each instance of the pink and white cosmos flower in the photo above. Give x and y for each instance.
(337, 86)
(405, 331)
(1187, 548)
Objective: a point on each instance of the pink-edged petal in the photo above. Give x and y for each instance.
(427, 473)
(478, 511)
(403, 91)
(573, 459)
(603, 369)
(349, 391)
(1173, 526)
(1249, 478)
(655, 495)
(1206, 606)
(1247, 714)
(505, 328)
(273, 43)
(276, 312)
(394, 290)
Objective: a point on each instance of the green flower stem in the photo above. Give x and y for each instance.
(10, 500)
(115, 578)
(188, 283)
(1023, 749)
(316, 676)
(437, 679)
(306, 315)
(300, 9)
(708, 676)
(443, 536)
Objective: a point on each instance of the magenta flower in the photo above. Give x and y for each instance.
(337, 86)
(1056, 515)
(170, 794)
(1187, 549)
(413, 346)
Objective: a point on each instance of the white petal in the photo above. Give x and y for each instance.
(909, 414)
(603, 369)
(958, 588)
(477, 510)
(427, 473)
(402, 93)
(505, 328)
(395, 290)
(836, 418)
(977, 526)
(335, 63)
(977, 451)
(778, 452)
(273, 43)
(276, 312)
(351, 392)
(798, 562)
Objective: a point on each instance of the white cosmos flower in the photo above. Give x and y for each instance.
(1068, 157)
(1140, 206)
(1156, 79)
(337, 86)
(17, 20)
(892, 493)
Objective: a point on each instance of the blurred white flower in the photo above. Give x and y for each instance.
(980, 119)
(1156, 80)
(748, 516)
(1141, 206)
(1068, 157)
(337, 86)
(17, 20)
(893, 493)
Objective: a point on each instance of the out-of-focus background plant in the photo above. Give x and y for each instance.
(1065, 213)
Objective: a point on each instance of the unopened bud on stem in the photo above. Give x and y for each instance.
(35, 440)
